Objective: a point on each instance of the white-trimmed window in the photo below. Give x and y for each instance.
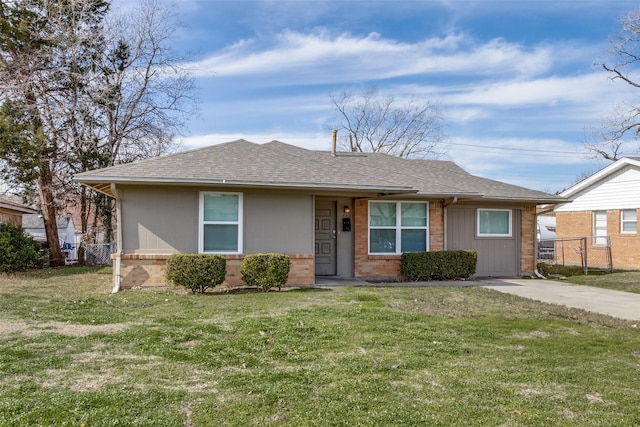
(628, 221)
(600, 228)
(397, 227)
(494, 223)
(220, 224)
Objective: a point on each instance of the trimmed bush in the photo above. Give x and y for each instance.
(440, 265)
(196, 271)
(265, 270)
(18, 251)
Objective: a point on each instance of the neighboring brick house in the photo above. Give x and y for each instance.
(335, 214)
(11, 210)
(604, 208)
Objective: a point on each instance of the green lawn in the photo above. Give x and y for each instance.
(74, 354)
(621, 280)
(628, 281)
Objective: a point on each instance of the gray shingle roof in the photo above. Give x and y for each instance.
(243, 163)
(34, 221)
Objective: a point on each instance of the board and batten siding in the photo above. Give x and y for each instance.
(164, 220)
(159, 220)
(618, 191)
(497, 256)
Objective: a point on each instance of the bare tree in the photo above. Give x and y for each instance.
(85, 89)
(140, 101)
(610, 141)
(373, 123)
(36, 39)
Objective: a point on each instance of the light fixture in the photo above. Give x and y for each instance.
(347, 209)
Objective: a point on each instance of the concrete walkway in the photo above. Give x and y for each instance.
(623, 305)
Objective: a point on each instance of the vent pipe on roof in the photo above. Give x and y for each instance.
(333, 142)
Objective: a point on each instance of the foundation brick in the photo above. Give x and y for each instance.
(147, 270)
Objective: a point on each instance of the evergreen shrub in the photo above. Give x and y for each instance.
(196, 271)
(438, 265)
(265, 270)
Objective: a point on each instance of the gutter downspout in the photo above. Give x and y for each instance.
(117, 277)
(444, 213)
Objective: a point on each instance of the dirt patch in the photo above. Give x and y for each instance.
(8, 328)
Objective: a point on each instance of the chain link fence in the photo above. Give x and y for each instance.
(96, 254)
(590, 252)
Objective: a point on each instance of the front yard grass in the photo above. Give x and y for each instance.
(74, 354)
(620, 280)
(628, 281)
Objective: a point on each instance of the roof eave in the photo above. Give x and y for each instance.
(103, 185)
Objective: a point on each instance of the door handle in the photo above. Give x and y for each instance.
(333, 233)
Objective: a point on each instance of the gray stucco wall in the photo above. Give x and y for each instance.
(165, 220)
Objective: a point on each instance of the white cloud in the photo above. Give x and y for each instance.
(574, 89)
(346, 57)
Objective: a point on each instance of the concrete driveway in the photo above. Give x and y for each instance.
(623, 305)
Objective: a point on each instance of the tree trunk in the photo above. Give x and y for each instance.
(45, 187)
(84, 222)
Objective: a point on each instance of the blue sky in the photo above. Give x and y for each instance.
(516, 79)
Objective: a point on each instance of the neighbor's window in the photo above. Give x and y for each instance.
(396, 227)
(220, 223)
(629, 221)
(600, 228)
(494, 222)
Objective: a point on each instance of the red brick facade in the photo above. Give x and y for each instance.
(387, 267)
(625, 247)
(528, 240)
(147, 270)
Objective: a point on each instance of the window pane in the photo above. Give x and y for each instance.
(600, 228)
(629, 215)
(414, 240)
(221, 207)
(220, 238)
(382, 214)
(414, 214)
(493, 222)
(629, 221)
(382, 241)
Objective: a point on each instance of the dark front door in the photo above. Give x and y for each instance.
(325, 240)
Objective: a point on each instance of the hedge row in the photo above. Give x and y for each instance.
(199, 272)
(439, 265)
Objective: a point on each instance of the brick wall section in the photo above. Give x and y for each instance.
(147, 270)
(387, 267)
(571, 224)
(528, 240)
(436, 226)
(625, 248)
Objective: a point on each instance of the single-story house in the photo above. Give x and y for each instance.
(68, 238)
(604, 208)
(334, 213)
(11, 210)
